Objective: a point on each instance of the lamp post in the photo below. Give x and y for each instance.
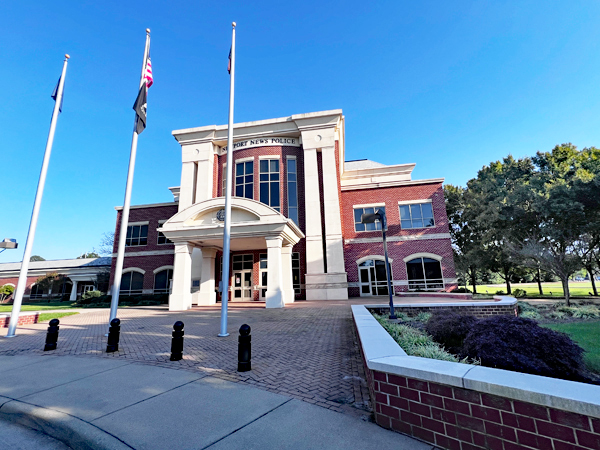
(379, 215)
(8, 243)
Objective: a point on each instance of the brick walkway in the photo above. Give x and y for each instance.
(308, 350)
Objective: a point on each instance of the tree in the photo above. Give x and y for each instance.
(36, 258)
(6, 291)
(91, 254)
(107, 243)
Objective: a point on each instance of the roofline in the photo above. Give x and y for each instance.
(356, 187)
(150, 205)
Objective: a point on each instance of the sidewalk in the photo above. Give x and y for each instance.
(107, 403)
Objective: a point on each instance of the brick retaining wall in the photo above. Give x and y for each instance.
(477, 311)
(24, 319)
(461, 407)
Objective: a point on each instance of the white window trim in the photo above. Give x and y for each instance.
(377, 257)
(291, 157)
(160, 269)
(134, 269)
(423, 255)
(269, 157)
(419, 202)
(135, 224)
(414, 202)
(241, 160)
(368, 205)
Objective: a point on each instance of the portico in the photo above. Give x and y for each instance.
(197, 232)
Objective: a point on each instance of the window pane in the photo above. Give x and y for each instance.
(264, 165)
(160, 280)
(129, 231)
(405, 224)
(433, 270)
(404, 212)
(239, 169)
(264, 177)
(274, 165)
(291, 165)
(427, 211)
(264, 193)
(249, 167)
(369, 210)
(415, 269)
(291, 177)
(249, 191)
(274, 194)
(415, 211)
(417, 223)
(137, 281)
(428, 222)
(359, 227)
(239, 191)
(126, 281)
(371, 226)
(293, 213)
(292, 195)
(357, 213)
(249, 179)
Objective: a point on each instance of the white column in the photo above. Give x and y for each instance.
(286, 268)
(333, 223)
(181, 296)
(188, 185)
(73, 296)
(196, 271)
(275, 296)
(205, 159)
(206, 295)
(312, 201)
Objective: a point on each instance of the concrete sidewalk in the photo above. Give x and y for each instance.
(98, 403)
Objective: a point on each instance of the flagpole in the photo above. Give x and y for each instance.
(116, 287)
(227, 224)
(18, 299)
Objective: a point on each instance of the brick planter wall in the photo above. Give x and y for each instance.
(24, 319)
(461, 407)
(477, 311)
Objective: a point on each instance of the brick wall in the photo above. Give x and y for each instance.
(24, 319)
(147, 262)
(477, 311)
(462, 419)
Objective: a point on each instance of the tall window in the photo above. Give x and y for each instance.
(162, 281)
(162, 239)
(132, 283)
(269, 183)
(36, 292)
(418, 215)
(358, 226)
(292, 188)
(424, 273)
(296, 272)
(244, 179)
(136, 235)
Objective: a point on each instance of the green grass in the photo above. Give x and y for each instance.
(578, 288)
(45, 317)
(38, 306)
(587, 335)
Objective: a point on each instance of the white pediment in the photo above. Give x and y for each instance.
(210, 217)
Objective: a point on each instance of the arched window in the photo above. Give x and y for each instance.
(36, 292)
(132, 283)
(162, 281)
(424, 274)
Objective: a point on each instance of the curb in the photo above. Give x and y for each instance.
(74, 432)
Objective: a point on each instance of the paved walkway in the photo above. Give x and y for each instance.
(117, 404)
(307, 350)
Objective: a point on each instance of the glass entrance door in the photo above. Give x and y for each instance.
(373, 279)
(242, 278)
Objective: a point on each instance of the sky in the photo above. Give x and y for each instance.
(450, 86)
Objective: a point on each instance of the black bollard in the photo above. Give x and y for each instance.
(177, 341)
(113, 336)
(244, 349)
(52, 335)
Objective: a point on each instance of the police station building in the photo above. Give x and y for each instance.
(296, 232)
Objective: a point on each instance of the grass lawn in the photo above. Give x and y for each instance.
(582, 288)
(587, 335)
(45, 317)
(37, 306)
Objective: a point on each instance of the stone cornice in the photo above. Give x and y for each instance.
(354, 187)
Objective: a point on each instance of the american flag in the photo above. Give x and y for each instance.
(148, 73)
(229, 62)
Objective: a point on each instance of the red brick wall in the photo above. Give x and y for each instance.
(480, 311)
(149, 262)
(398, 250)
(24, 319)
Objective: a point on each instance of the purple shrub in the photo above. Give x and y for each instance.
(450, 329)
(518, 344)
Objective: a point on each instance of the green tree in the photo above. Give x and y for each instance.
(36, 258)
(6, 291)
(91, 254)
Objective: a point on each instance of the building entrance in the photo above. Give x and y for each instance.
(242, 278)
(373, 279)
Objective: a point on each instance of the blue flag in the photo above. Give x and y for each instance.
(55, 94)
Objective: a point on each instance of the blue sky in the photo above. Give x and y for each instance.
(450, 86)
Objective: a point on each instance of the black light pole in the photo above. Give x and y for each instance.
(379, 215)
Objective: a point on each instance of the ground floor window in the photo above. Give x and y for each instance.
(162, 281)
(132, 283)
(36, 292)
(425, 274)
(263, 274)
(373, 277)
(242, 277)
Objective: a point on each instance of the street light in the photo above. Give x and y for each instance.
(8, 243)
(379, 215)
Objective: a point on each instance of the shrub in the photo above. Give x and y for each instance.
(586, 312)
(500, 292)
(531, 315)
(461, 290)
(415, 342)
(518, 344)
(423, 317)
(520, 293)
(524, 306)
(91, 295)
(557, 315)
(450, 329)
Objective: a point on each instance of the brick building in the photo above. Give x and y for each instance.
(296, 231)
